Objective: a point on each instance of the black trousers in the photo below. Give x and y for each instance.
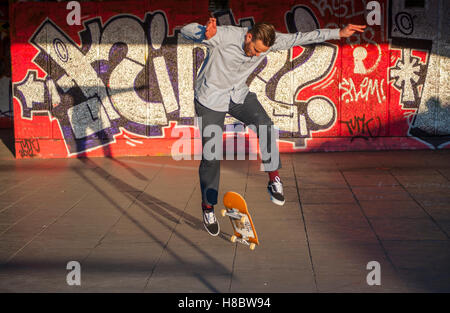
(250, 112)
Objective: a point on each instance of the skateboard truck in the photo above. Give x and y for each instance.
(234, 214)
(243, 240)
(238, 219)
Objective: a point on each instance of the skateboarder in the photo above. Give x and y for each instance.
(220, 88)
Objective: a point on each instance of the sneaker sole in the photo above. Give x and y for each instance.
(214, 235)
(276, 201)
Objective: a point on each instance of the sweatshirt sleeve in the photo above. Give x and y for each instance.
(196, 32)
(287, 41)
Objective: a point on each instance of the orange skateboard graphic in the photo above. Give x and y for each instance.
(236, 209)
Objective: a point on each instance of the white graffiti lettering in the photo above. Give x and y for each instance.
(368, 87)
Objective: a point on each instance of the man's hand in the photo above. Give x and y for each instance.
(350, 29)
(211, 28)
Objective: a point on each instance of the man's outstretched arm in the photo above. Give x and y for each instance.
(287, 41)
(200, 33)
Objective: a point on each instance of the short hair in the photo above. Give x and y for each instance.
(264, 32)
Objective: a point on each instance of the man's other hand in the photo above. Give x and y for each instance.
(211, 28)
(350, 29)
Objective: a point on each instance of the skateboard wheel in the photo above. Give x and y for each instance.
(252, 246)
(223, 212)
(233, 238)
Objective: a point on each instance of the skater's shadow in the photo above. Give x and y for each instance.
(150, 204)
(164, 213)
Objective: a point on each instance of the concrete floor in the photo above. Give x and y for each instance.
(134, 224)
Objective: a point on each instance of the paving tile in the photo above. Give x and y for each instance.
(431, 194)
(360, 166)
(4, 227)
(437, 160)
(272, 232)
(73, 234)
(159, 210)
(186, 268)
(37, 282)
(392, 209)
(273, 280)
(10, 247)
(423, 265)
(444, 225)
(311, 196)
(393, 193)
(309, 168)
(369, 179)
(347, 271)
(428, 281)
(365, 171)
(438, 211)
(444, 171)
(274, 267)
(38, 268)
(403, 159)
(322, 230)
(419, 254)
(136, 232)
(105, 282)
(190, 283)
(336, 223)
(322, 181)
(186, 235)
(119, 267)
(414, 171)
(407, 229)
(334, 212)
(423, 181)
(14, 214)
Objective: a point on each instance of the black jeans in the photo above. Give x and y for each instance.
(250, 112)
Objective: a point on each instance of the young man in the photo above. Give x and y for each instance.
(220, 88)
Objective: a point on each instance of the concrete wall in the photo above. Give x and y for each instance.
(122, 82)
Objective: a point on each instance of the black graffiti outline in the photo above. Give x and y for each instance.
(58, 43)
(400, 17)
(415, 45)
(307, 53)
(358, 127)
(28, 147)
(401, 85)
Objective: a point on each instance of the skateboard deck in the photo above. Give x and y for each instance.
(236, 209)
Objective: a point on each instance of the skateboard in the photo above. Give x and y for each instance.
(236, 209)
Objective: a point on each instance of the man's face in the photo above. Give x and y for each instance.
(253, 48)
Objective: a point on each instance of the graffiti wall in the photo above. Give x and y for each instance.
(6, 110)
(121, 83)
